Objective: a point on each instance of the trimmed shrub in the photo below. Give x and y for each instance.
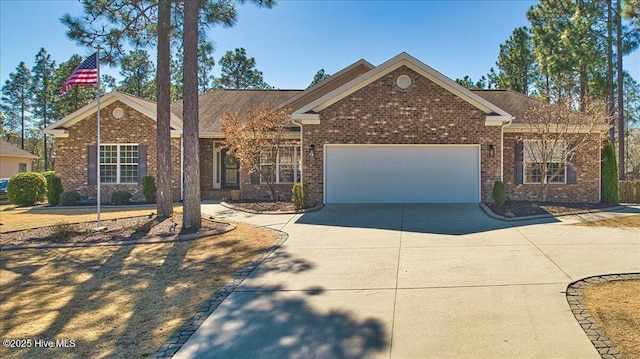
(609, 171)
(27, 188)
(48, 174)
(71, 198)
(499, 193)
(149, 189)
(54, 190)
(300, 196)
(120, 197)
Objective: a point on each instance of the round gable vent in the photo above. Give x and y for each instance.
(117, 113)
(403, 81)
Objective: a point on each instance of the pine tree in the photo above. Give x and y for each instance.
(138, 74)
(45, 96)
(239, 71)
(516, 62)
(16, 103)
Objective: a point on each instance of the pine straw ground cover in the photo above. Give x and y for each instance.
(616, 307)
(115, 301)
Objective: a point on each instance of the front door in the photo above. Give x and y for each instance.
(230, 173)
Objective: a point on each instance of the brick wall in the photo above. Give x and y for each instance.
(134, 127)
(383, 113)
(586, 188)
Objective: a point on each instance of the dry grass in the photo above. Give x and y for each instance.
(122, 301)
(616, 308)
(623, 221)
(16, 218)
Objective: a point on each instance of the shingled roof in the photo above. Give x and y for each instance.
(9, 150)
(213, 104)
(515, 103)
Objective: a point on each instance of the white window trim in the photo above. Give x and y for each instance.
(526, 160)
(296, 150)
(525, 177)
(118, 164)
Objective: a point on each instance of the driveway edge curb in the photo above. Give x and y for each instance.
(575, 297)
(494, 215)
(180, 336)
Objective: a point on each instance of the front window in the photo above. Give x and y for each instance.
(534, 153)
(119, 164)
(22, 167)
(283, 163)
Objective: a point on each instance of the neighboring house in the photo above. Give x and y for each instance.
(14, 160)
(400, 132)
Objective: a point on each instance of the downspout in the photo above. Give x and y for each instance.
(502, 148)
(299, 123)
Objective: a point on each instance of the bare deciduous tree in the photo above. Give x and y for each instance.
(552, 136)
(256, 137)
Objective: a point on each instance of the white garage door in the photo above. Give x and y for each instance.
(402, 174)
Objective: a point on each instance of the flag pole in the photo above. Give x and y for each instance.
(98, 227)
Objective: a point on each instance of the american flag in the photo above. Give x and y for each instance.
(85, 74)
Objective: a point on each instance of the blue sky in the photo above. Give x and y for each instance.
(297, 38)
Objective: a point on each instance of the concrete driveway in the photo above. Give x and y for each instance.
(413, 281)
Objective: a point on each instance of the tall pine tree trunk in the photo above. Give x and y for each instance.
(164, 197)
(621, 163)
(191, 217)
(610, 88)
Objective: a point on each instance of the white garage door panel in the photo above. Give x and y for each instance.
(401, 174)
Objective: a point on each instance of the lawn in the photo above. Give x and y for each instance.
(117, 301)
(616, 307)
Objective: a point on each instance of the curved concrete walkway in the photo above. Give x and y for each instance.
(413, 281)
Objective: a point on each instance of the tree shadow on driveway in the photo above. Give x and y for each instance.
(275, 323)
(446, 219)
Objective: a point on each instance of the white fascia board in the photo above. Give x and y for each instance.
(325, 82)
(105, 101)
(403, 59)
(306, 118)
(176, 133)
(81, 113)
(57, 133)
(520, 127)
(497, 120)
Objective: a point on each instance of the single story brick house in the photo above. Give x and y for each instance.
(400, 132)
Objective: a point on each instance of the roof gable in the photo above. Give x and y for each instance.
(9, 150)
(309, 111)
(327, 85)
(147, 108)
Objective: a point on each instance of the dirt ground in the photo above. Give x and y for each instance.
(121, 301)
(14, 218)
(616, 308)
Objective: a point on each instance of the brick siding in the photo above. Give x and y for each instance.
(134, 127)
(586, 188)
(383, 113)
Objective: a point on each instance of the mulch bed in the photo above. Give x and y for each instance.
(526, 208)
(116, 230)
(262, 206)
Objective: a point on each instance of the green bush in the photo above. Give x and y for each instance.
(499, 193)
(48, 174)
(71, 198)
(149, 189)
(120, 197)
(609, 172)
(27, 188)
(300, 196)
(54, 190)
